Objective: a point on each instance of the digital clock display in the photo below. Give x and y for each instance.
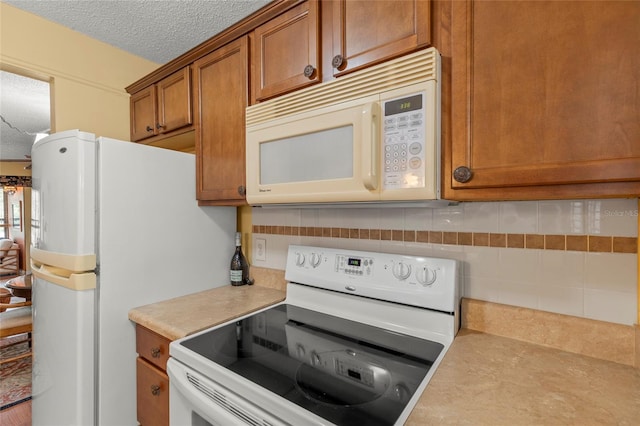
(352, 261)
(399, 106)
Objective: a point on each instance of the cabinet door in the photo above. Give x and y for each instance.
(153, 347)
(545, 94)
(152, 394)
(220, 93)
(367, 32)
(285, 52)
(142, 107)
(174, 101)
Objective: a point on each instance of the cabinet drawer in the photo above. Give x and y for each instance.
(152, 347)
(153, 394)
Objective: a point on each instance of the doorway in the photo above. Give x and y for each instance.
(25, 116)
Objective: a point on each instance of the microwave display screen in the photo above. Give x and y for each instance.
(400, 106)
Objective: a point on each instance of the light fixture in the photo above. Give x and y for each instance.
(9, 189)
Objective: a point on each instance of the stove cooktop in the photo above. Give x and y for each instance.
(341, 370)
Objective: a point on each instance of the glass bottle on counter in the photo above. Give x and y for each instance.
(239, 269)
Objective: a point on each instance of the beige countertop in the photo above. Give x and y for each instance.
(483, 379)
(491, 380)
(179, 317)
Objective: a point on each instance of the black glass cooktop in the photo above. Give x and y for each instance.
(344, 371)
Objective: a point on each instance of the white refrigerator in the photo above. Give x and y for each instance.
(115, 225)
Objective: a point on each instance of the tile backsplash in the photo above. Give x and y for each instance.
(574, 257)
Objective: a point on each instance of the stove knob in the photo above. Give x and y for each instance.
(300, 259)
(401, 271)
(315, 259)
(426, 276)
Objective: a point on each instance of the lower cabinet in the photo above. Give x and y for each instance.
(151, 378)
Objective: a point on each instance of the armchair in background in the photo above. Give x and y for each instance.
(15, 318)
(9, 252)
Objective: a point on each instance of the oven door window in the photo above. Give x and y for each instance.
(346, 372)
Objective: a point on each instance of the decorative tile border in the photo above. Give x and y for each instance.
(588, 243)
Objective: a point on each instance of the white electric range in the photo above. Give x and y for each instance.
(356, 341)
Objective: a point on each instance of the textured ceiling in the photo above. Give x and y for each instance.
(24, 104)
(158, 30)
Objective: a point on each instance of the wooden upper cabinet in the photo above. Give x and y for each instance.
(174, 101)
(291, 51)
(143, 113)
(544, 100)
(163, 107)
(366, 32)
(221, 88)
(286, 53)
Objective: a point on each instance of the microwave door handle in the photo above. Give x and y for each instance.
(369, 145)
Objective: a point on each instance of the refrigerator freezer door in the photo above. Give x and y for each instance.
(63, 257)
(63, 193)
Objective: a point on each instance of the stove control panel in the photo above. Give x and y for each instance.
(414, 280)
(354, 265)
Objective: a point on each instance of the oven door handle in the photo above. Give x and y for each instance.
(185, 397)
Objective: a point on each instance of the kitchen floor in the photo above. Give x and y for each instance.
(18, 415)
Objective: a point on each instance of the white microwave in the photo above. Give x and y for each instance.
(369, 137)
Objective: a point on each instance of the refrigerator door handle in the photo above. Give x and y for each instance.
(63, 277)
(71, 262)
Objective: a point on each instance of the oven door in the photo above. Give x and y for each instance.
(197, 401)
(325, 155)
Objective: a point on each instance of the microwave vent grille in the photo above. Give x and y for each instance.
(417, 67)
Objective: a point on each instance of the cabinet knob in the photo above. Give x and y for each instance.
(155, 390)
(337, 61)
(149, 129)
(159, 126)
(155, 352)
(462, 174)
(309, 71)
(242, 190)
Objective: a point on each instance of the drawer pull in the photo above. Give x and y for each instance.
(155, 390)
(155, 352)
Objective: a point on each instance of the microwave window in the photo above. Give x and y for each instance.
(322, 155)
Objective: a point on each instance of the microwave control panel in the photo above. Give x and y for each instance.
(403, 148)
